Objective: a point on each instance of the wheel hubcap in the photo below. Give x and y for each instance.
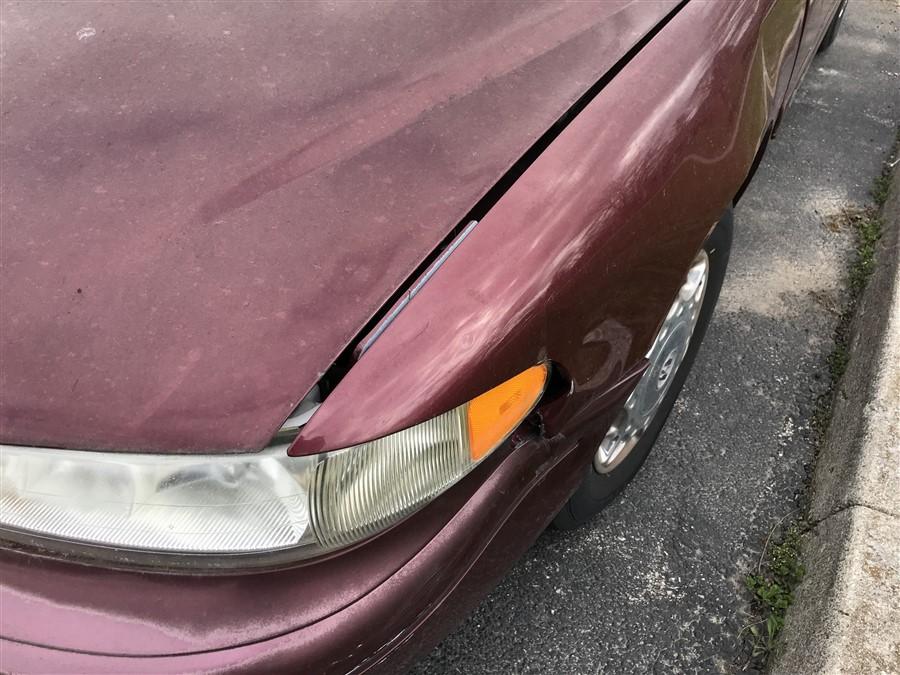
(665, 357)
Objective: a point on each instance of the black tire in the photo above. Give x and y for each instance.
(833, 28)
(596, 489)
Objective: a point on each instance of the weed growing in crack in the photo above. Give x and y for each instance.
(881, 188)
(772, 585)
(866, 225)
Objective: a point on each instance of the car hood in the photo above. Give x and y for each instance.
(202, 205)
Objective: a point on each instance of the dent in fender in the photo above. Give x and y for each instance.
(578, 261)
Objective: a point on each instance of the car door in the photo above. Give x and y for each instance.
(819, 14)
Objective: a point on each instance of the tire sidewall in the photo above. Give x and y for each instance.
(833, 28)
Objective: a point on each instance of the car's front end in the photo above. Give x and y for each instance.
(303, 350)
(379, 604)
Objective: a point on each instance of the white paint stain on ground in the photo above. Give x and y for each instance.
(659, 583)
(86, 33)
(787, 430)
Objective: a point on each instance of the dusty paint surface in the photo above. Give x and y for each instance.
(197, 219)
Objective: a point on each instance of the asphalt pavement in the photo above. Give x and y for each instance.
(655, 583)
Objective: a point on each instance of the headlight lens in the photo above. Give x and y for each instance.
(269, 501)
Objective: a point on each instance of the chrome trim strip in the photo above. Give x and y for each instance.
(412, 292)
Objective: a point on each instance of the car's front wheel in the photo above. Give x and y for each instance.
(633, 432)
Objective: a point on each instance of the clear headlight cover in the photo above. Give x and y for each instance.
(217, 505)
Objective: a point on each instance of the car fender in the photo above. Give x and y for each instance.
(577, 262)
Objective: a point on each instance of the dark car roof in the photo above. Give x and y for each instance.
(203, 204)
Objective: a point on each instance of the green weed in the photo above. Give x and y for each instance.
(772, 585)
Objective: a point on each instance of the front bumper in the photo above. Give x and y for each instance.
(376, 607)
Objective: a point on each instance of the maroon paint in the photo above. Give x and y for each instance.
(607, 215)
(202, 204)
(580, 259)
(819, 14)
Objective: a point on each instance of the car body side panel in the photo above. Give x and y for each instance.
(578, 261)
(818, 17)
(780, 56)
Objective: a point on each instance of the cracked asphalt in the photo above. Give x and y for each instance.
(655, 583)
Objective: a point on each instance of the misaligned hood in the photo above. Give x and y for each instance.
(203, 205)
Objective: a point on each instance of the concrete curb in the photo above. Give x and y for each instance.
(846, 613)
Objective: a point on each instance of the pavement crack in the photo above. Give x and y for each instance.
(851, 505)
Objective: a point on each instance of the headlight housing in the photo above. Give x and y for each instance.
(211, 507)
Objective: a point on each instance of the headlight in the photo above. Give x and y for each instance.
(221, 505)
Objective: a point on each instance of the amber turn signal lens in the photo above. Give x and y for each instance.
(495, 414)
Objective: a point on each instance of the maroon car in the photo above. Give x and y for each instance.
(314, 315)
